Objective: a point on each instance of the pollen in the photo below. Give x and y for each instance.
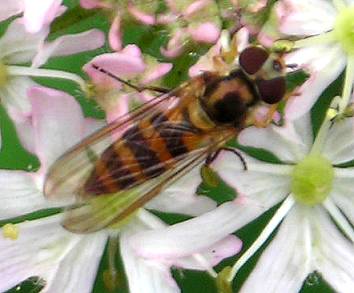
(344, 29)
(3, 74)
(312, 180)
(10, 231)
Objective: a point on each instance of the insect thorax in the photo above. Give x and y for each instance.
(226, 100)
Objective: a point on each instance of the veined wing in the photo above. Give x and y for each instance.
(70, 172)
(112, 210)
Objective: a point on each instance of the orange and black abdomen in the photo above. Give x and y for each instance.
(144, 151)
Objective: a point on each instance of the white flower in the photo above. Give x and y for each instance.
(327, 50)
(43, 248)
(314, 196)
(18, 48)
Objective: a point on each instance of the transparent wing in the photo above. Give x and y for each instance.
(100, 212)
(70, 172)
(113, 210)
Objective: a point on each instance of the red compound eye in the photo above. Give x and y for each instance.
(252, 59)
(273, 90)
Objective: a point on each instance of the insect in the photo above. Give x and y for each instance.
(163, 140)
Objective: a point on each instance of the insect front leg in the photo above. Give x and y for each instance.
(214, 155)
(268, 117)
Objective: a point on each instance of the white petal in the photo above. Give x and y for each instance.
(58, 123)
(91, 125)
(262, 186)
(181, 197)
(39, 13)
(195, 235)
(24, 129)
(325, 64)
(211, 255)
(334, 254)
(10, 8)
(217, 252)
(339, 146)
(77, 271)
(281, 267)
(19, 194)
(17, 45)
(42, 249)
(144, 276)
(308, 17)
(68, 45)
(289, 143)
(343, 193)
(14, 97)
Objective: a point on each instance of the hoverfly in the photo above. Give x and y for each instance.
(163, 140)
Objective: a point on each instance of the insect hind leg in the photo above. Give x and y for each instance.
(214, 155)
(127, 83)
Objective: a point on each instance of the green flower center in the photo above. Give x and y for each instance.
(3, 74)
(312, 180)
(344, 29)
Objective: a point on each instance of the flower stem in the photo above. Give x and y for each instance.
(113, 244)
(339, 218)
(40, 72)
(271, 226)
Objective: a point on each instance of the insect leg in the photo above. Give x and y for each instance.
(214, 155)
(135, 87)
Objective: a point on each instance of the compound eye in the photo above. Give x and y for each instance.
(252, 59)
(273, 90)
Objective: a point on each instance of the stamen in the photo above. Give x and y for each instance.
(271, 226)
(339, 218)
(40, 72)
(348, 84)
(339, 4)
(323, 131)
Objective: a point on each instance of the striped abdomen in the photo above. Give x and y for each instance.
(144, 151)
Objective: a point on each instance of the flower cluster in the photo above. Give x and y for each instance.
(60, 75)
